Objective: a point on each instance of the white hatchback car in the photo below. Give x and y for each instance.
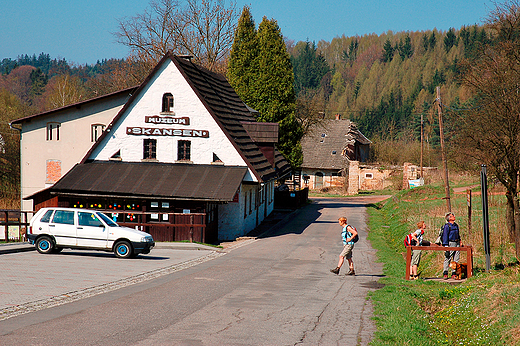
(52, 229)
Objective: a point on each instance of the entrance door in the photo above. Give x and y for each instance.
(318, 182)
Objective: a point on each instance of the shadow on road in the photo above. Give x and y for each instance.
(275, 224)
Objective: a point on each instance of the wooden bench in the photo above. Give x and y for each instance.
(467, 248)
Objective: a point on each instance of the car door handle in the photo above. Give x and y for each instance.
(80, 227)
(51, 225)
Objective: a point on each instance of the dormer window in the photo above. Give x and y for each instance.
(167, 103)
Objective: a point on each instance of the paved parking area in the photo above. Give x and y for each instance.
(32, 281)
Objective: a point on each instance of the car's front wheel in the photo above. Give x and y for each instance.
(123, 249)
(44, 245)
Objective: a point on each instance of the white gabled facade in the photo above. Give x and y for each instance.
(186, 105)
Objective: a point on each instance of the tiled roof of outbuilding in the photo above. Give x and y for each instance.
(325, 145)
(154, 180)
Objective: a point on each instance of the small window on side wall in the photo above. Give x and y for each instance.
(53, 131)
(167, 103)
(95, 131)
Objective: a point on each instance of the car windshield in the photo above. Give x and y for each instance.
(107, 220)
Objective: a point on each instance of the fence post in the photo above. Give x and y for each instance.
(6, 226)
(485, 216)
(191, 228)
(468, 198)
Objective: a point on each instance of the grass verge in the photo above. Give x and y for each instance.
(483, 310)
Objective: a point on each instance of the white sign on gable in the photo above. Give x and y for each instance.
(156, 119)
(146, 131)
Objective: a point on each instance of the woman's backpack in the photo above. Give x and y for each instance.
(356, 238)
(409, 241)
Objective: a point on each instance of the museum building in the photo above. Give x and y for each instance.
(181, 156)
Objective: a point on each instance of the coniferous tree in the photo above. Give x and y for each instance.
(38, 82)
(261, 72)
(405, 48)
(432, 40)
(450, 40)
(274, 91)
(309, 68)
(274, 94)
(425, 42)
(388, 51)
(243, 60)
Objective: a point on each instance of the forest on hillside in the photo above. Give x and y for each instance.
(384, 83)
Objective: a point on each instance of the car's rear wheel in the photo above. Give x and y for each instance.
(123, 249)
(44, 245)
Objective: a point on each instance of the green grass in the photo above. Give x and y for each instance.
(483, 310)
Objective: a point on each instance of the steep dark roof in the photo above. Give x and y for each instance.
(222, 103)
(229, 110)
(327, 144)
(155, 180)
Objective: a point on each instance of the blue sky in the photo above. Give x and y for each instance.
(81, 31)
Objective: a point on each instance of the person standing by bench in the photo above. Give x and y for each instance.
(451, 238)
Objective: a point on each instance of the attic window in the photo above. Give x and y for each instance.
(322, 137)
(167, 103)
(333, 152)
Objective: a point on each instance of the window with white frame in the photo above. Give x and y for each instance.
(95, 131)
(53, 131)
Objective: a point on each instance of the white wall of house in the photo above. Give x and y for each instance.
(239, 218)
(74, 142)
(186, 104)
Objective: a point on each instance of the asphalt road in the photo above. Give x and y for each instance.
(276, 290)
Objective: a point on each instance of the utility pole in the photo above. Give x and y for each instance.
(443, 149)
(422, 127)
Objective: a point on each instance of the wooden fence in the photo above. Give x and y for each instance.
(165, 227)
(17, 218)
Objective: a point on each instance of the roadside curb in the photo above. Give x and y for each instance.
(16, 247)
